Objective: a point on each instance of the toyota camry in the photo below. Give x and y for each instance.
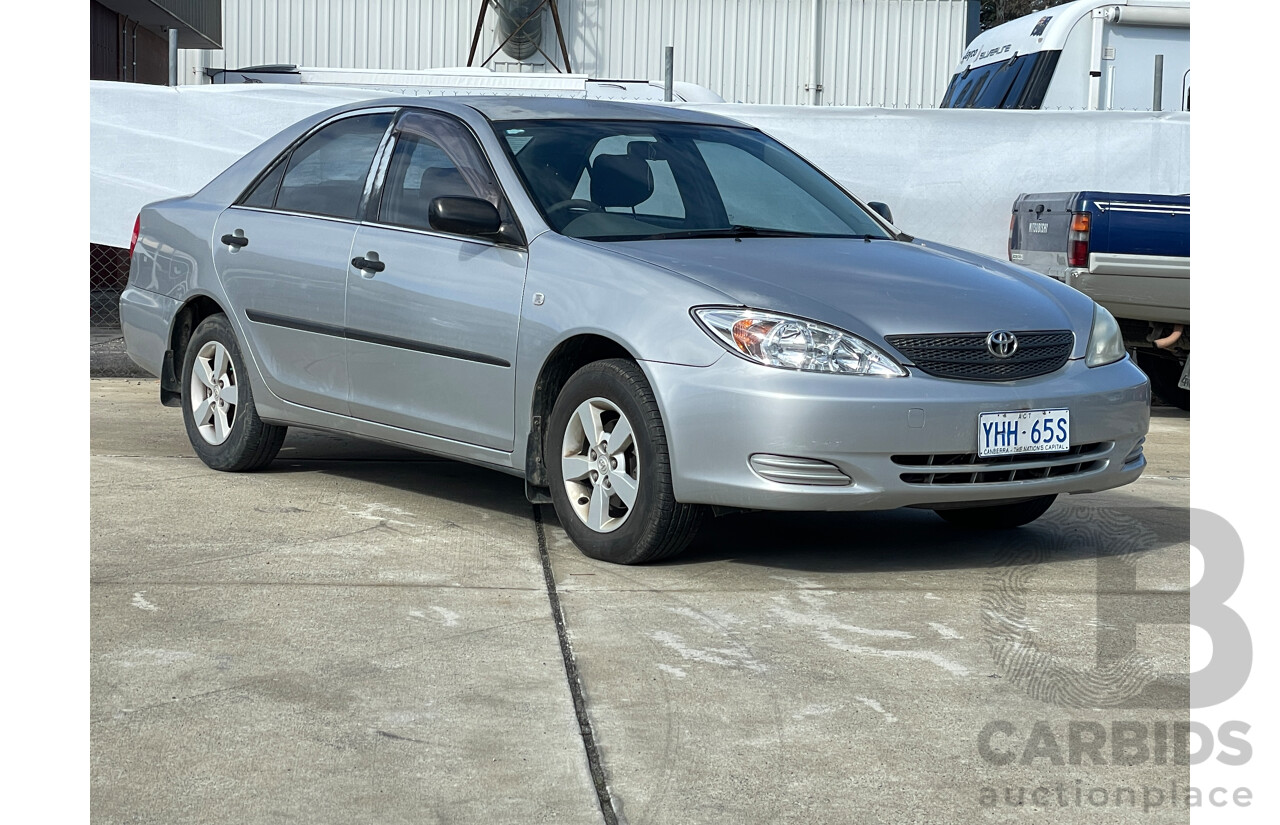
(647, 313)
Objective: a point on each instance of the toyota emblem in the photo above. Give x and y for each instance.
(1002, 343)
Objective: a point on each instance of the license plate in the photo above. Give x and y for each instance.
(1023, 431)
(1185, 381)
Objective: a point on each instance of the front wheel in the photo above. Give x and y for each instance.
(998, 516)
(610, 469)
(217, 404)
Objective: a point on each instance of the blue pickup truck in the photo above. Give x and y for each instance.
(1129, 252)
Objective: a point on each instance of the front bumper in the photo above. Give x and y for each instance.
(878, 431)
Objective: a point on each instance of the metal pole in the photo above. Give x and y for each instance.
(1157, 94)
(668, 73)
(564, 50)
(815, 50)
(1095, 61)
(173, 56)
(475, 38)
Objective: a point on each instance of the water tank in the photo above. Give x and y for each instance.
(528, 37)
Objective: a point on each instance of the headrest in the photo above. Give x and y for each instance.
(620, 180)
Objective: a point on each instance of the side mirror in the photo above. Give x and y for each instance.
(465, 216)
(881, 209)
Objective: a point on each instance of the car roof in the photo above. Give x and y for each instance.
(523, 107)
(567, 108)
(495, 108)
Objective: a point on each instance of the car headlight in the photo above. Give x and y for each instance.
(1106, 344)
(794, 343)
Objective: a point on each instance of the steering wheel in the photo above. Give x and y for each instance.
(573, 204)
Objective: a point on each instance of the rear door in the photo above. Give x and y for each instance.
(432, 333)
(282, 253)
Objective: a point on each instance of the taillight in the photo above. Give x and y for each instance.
(137, 224)
(1078, 240)
(1013, 221)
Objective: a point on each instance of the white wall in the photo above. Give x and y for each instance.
(896, 53)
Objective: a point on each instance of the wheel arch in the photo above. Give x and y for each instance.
(563, 361)
(185, 321)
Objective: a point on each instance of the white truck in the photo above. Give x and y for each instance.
(1086, 54)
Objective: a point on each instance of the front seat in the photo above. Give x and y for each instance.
(621, 180)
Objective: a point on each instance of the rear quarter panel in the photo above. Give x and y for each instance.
(172, 256)
(1133, 224)
(170, 265)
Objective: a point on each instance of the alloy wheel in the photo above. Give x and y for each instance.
(600, 465)
(213, 393)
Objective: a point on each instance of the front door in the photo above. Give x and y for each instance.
(432, 330)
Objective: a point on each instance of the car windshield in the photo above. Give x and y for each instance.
(642, 180)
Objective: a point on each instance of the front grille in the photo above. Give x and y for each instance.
(964, 355)
(968, 468)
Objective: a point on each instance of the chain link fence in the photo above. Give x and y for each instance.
(108, 274)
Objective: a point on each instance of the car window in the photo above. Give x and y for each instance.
(420, 171)
(635, 180)
(326, 173)
(739, 175)
(263, 195)
(433, 157)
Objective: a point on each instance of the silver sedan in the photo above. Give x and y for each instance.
(647, 313)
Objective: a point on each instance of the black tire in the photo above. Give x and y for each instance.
(998, 516)
(655, 526)
(246, 442)
(1165, 371)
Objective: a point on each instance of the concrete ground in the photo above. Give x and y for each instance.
(360, 634)
(107, 355)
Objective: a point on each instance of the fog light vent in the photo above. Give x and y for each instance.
(786, 469)
(1136, 452)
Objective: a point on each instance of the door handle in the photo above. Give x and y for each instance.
(372, 265)
(237, 240)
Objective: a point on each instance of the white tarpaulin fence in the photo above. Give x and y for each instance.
(950, 175)
(147, 143)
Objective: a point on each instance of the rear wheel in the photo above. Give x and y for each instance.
(610, 469)
(998, 516)
(217, 404)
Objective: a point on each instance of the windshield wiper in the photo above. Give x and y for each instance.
(741, 231)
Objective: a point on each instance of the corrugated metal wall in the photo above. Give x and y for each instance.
(896, 53)
(201, 21)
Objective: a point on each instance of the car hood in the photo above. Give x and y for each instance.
(874, 288)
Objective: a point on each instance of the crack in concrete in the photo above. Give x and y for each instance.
(594, 762)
